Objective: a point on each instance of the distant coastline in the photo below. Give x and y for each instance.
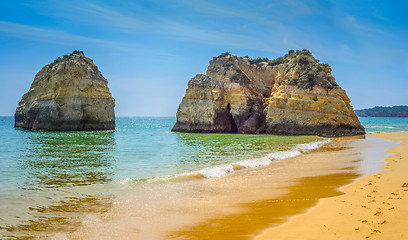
(395, 111)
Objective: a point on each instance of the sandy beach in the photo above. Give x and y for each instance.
(374, 207)
(243, 205)
(203, 120)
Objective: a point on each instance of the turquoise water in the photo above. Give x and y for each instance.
(384, 124)
(45, 176)
(139, 148)
(48, 179)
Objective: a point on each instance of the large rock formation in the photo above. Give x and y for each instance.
(69, 94)
(290, 95)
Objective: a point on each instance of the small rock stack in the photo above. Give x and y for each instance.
(69, 94)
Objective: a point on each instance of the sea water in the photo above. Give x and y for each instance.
(385, 124)
(48, 180)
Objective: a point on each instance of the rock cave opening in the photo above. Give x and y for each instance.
(231, 121)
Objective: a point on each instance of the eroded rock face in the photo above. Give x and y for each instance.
(69, 94)
(291, 95)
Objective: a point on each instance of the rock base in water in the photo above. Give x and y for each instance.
(291, 95)
(69, 94)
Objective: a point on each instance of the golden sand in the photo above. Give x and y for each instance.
(374, 207)
(257, 215)
(244, 204)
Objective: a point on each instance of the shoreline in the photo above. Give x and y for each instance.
(374, 206)
(182, 210)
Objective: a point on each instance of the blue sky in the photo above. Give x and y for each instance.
(148, 50)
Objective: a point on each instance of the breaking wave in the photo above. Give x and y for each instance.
(379, 127)
(223, 170)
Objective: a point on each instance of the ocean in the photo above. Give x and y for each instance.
(49, 180)
(385, 124)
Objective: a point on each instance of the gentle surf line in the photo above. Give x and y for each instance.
(224, 170)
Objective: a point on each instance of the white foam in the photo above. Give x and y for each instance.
(284, 154)
(223, 170)
(380, 127)
(253, 163)
(130, 181)
(264, 161)
(126, 180)
(216, 172)
(313, 145)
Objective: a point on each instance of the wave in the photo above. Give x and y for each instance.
(223, 170)
(220, 171)
(379, 127)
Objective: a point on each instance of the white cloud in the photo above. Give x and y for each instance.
(57, 36)
(191, 33)
(358, 27)
(219, 10)
(43, 34)
(125, 21)
(108, 16)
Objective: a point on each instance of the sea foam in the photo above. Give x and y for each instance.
(379, 127)
(223, 170)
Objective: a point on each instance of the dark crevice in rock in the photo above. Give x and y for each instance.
(234, 127)
(250, 112)
(290, 95)
(224, 121)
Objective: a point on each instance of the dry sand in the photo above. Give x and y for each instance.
(374, 207)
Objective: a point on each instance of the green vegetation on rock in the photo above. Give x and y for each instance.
(293, 94)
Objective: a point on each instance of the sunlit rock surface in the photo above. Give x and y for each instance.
(291, 95)
(69, 94)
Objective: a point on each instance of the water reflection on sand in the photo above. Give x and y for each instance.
(57, 170)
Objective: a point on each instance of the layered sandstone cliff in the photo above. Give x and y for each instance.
(290, 95)
(69, 94)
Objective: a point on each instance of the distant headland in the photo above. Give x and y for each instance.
(290, 95)
(395, 111)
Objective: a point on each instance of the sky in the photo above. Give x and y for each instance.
(148, 50)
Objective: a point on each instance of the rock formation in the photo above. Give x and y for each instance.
(69, 94)
(291, 95)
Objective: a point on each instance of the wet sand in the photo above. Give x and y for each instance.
(374, 207)
(239, 206)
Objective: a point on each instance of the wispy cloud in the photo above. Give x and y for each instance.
(190, 33)
(358, 27)
(230, 11)
(110, 17)
(43, 34)
(40, 34)
(127, 22)
(169, 28)
(261, 31)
